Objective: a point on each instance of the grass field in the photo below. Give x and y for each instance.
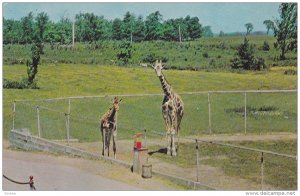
(280, 172)
(139, 113)
(205, 53)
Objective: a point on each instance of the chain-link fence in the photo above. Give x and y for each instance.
(205, 113)
(225, 112)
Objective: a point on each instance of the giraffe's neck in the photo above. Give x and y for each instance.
(111, 114)
(165, 85)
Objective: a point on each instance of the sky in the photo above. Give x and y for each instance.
(225, 16)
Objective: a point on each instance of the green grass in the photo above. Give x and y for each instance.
(139, 113)
(205, 53)
(280, 172)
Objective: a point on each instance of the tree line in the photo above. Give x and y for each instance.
(92, 28)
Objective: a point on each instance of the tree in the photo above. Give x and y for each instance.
(128, 26)
(139, 29)
(12, 31)
(42, 20)
(27, 28)
(153, 26)
(64, 31)
(207, 32)
(32, 67)
(249, 28)
(52, 34)
(285, 28)
(117, 29)
(245, 58)
(269, 25)
(221, 34)
(124, 53)
(170, 32)
(194, 29)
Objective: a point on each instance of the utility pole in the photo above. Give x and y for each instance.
(73, 34)
(179, 33)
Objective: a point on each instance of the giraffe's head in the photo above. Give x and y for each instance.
(116, 103)
(158, 67)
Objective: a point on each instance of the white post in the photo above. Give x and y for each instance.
(245, 114)
(179, 33)
(38, 121)
(131, 37)
(14, 115)
(209, 114)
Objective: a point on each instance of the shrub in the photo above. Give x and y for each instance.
(290, 72)
(265, 46)
(23, 84)
(205, 55)
(124, 54)
(245, 58)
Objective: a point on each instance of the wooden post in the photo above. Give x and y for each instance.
(38, 121)
(245, 114)
(262, 170)
(146, 145)
(14, 115)
(209, 114)
(197, 159)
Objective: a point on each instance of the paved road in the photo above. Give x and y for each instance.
(49, 176)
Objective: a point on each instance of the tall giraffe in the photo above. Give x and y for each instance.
(108, 127)
(172, 109)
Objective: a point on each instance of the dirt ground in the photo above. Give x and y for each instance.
(64, 173)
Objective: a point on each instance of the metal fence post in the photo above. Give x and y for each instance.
(262, 170)
(197, 159)
(38, 120)
(209, 114)
(67, 127)
(245, 114)
(69, 113)
(14, 115)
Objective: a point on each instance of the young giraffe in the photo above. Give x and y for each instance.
(108, 127)
(172, 109)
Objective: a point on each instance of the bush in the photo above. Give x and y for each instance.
(265, 46)
(23, 84)
(205, 55)
(290, 72)
(245, 58)
(151, 58)
(124, 54)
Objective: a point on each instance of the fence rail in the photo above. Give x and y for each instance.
(159, 94)
(68, 117)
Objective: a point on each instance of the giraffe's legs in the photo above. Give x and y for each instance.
(114, 144)
(173, 147)
(103, 141)
(169, 143)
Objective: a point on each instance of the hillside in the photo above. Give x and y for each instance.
(204, 53)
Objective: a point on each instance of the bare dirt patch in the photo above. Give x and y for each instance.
(64, 173)
(87, 173)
